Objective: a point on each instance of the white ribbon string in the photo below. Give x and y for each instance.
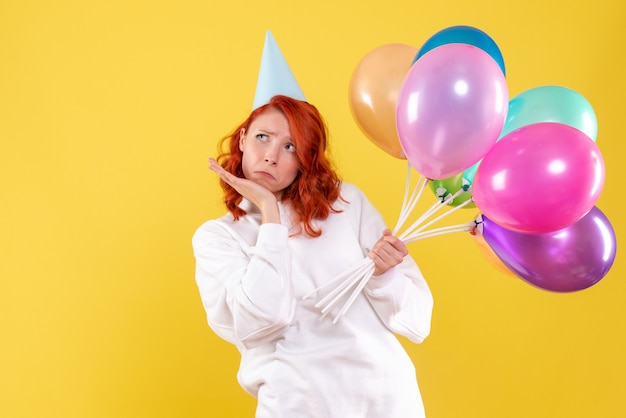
(357, 277)
(409, 204)
(330, 299)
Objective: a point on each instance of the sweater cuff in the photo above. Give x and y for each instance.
(384, 283)
(272, 235)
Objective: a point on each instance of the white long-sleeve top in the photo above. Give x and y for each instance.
(252, 278)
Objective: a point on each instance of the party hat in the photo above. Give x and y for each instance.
(275, 76)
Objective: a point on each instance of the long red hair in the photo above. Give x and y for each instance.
(316, 186)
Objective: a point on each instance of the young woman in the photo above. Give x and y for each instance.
(291, 227)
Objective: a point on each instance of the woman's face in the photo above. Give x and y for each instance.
(269, 152)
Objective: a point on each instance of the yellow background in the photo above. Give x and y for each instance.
(108, 112)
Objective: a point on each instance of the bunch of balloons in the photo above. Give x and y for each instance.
(530, 164)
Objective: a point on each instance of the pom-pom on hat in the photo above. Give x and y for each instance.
(275, 76)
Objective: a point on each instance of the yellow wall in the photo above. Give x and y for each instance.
(108, 111)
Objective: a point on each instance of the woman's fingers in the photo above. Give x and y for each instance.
(252, 191)
(388, 252)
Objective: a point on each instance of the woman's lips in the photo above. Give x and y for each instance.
(266, 174)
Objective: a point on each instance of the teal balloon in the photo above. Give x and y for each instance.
(546, 104)
(551, 104)
(469, 173)
(463, 35)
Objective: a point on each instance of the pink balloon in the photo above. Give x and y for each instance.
(539, 178)
(451, 109)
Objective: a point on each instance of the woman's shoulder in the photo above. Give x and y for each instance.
(350, 193)
(215, 227)
(350, 190)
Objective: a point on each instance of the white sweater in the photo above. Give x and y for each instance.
(252, 279)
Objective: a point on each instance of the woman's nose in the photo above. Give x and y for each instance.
(271, 156)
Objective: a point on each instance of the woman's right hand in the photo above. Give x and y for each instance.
(255, 193)
(388, 252)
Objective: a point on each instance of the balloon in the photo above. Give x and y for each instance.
(373, 94)
(451, 185)
(568, 260)
(464, 35)
(451, 109)
(546, 104)
(470, 173)
(551, 104)
(490, 255)
(539, 178)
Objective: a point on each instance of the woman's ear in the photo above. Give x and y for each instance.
(242, 137)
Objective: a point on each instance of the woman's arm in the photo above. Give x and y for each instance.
(246, 291)
(402, 300)
(398, 291)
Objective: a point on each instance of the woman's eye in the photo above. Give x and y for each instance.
(261, 137)
(290, 147)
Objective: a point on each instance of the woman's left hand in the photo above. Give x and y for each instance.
(388, 252)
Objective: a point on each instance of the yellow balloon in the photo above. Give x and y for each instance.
(373, 94)
(489, 254)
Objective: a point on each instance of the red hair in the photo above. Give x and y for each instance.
(316, 186)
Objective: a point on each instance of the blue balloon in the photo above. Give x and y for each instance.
(463, 35)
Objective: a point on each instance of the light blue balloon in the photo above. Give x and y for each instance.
(463, 35)
(551, 104)
(546, 104)
(469, 173)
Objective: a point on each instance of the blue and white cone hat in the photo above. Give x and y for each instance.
(275, 76)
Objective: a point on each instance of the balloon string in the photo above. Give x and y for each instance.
(409, 204)
(438, 205)
(364, 272)
(414, 199)
(439, 231)
(366, 276)
(355, 279)
(330, 299)
(360, 275)
(347, 278)
(407, 185)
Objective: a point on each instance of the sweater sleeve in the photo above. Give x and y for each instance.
(402, 300)
(401, 296)
(246, 291)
